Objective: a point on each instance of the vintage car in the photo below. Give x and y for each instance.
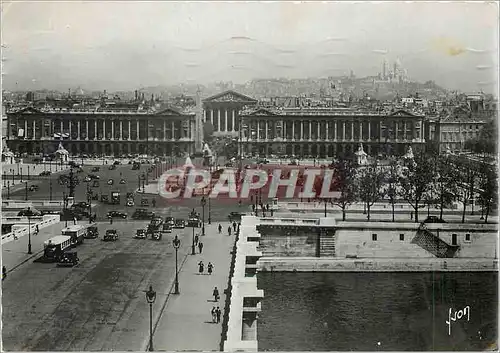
(169, 220)
(111, 182)
(111, 235)
(179, 223)
(68, 259)
(141, 213)
(166, 228)
(92, 232)
(122, 181)
(156, 235)
(140, 234)
(34, 188)
(117, 214)
(194, 222)
(130, 203)
(235, 216)
(95, 169)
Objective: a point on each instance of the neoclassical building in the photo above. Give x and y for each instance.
(328, 132)
(107, 132)
(223, 111)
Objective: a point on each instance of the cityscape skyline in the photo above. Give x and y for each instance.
(133, 45)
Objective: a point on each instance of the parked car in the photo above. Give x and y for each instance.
(45, 173)
(111, 235)
(140, 234)
(130, 203)
(170, 220)
(81, 205)
(68, 259)
(111, 182)
(95, 169)
(87, 179)
(117, 214)
(166, 228)
(34, 188)
(179, 223)
(94, 176)
(122, 181)
(156, 235)
(143, 214)
(434, 219)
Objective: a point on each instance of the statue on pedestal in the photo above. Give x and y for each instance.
(361, 155)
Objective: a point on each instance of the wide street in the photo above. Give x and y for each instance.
(99, 304)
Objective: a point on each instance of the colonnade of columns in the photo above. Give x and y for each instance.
(330, 130)
(223, 120)
(102, 129)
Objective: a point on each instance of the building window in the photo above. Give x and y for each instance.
(453, 239)
(401, 237)
(467, 237)
(374, 237)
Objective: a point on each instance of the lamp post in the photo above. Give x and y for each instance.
(203, 202)
(143, 179)
(65, 212)
(8, 190)
(29, 213)
(89, 200)
(26, 191)
(192, 245)
(50, 190)
(150, 298)
(210, 191)
(177, 243)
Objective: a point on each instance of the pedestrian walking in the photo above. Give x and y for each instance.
(15, 236)
(37, 230)
(4, 273)
(218, 313)
(229, 230)
(110, 220)
(196, 239)
(214, 315)
(200, 267)
(200, 247)
(210, 268)
(154, 202)
(267, 207)
(215, 293)
(234, 226)
(74, 220)
(220, 228)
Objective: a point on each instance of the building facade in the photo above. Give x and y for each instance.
(327, 132)
(101, 132)
(223, 111)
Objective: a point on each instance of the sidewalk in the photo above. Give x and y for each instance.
(186, 323)
(34, 170)
(15, 252)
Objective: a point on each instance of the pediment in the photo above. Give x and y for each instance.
(230, 96)
(262, 112)
(403, 114)
(169, 112)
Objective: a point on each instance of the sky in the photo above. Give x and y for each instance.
(128, 45)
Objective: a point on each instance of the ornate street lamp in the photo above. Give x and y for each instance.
(28, 214)
(65, 208)
(150, 298)
(192, 245)
(26, 191)
(209, 192)
(176, 243)
(203, 202)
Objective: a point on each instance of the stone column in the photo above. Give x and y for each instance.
(310, 130)
(104, 128)
(78, 129)
(404, 130)
(212, 116)
(396, 125)
(121, 129)
(95, 130)
(293, 130)
(327, 130)
(173, 130)
(266, 136)
(34, 128)
(369, 131)
(26, 127)
(301, 130)
(129, 131)
(165, 130)
(137, 130)
(352, 130)
(258, 134)
(318, 137)
(87, 127)
(343, 130)
(112, 129)
(334, 131)
(225, 118)
(69, 125)
(233, 113)
(361, 131)
(218, 120)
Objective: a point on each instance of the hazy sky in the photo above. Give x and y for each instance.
(128, 45)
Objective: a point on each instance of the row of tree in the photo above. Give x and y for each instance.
(423, 181)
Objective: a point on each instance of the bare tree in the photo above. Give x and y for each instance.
(466, 180)
(415, 180)
(488, 194)
(370, 182)
(391, 190)
(345, 172)
(446, 184)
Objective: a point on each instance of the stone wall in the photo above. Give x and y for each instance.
(294, 245)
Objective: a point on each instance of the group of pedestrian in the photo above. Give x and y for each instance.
(216, 314)
(229, 229)
(201, 268)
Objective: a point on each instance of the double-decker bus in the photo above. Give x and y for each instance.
(76, 232)
(56, 246)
